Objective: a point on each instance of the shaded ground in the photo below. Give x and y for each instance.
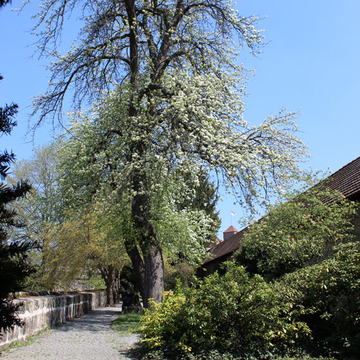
(86, 338)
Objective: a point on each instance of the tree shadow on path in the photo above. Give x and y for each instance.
(96, 320)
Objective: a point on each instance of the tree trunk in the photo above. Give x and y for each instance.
(153, 285)
(137, 262)
(110, 278)
(109, 295)
(151, 266)
(116, 287)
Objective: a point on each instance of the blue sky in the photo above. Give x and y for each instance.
(311, 63)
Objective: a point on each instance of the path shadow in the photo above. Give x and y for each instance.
(94, 321)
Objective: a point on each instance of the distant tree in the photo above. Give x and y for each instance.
(70, 242)
(77, 247)
(13, 263)
(43, 204)
(41, 209)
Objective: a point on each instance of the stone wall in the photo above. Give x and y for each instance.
(40, 312)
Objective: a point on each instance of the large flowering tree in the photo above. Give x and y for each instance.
(171, 95)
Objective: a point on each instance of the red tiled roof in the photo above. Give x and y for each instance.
(346, 180)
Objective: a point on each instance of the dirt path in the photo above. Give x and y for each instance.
(87, 338)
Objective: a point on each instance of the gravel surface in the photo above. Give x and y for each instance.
(86, 338)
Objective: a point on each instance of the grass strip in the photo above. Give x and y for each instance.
(127, 323)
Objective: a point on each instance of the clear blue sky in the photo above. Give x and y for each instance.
(311, 63)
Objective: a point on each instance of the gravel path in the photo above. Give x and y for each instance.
(86, 338)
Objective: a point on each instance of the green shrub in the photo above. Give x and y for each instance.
(160, 323)
(330, 297)
(174, 354)
(233, 313)
(298, 233)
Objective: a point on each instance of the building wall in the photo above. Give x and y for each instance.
(40, 312)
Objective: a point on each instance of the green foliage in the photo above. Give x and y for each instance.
(331, 302)
(235, 313)
(309, 247)
(174, 354)
(298, 233)
(160, 323)
(75, 247)
(179, 269)
(309, 304)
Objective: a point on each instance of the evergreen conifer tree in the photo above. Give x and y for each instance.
(13, 265)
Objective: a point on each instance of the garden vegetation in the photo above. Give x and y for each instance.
(301, 300)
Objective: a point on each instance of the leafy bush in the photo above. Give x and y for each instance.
(297, 233)
(174, 354)
(330, 297)
(159, 324)
(234, 313)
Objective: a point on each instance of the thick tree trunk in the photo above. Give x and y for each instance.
(151, 267)
(153, 285)
(150, 271)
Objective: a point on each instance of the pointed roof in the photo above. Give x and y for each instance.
(231, 229)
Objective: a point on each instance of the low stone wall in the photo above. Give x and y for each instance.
(40, 312)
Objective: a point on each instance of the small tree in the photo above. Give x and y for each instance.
(70, 241)
(77, 247)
